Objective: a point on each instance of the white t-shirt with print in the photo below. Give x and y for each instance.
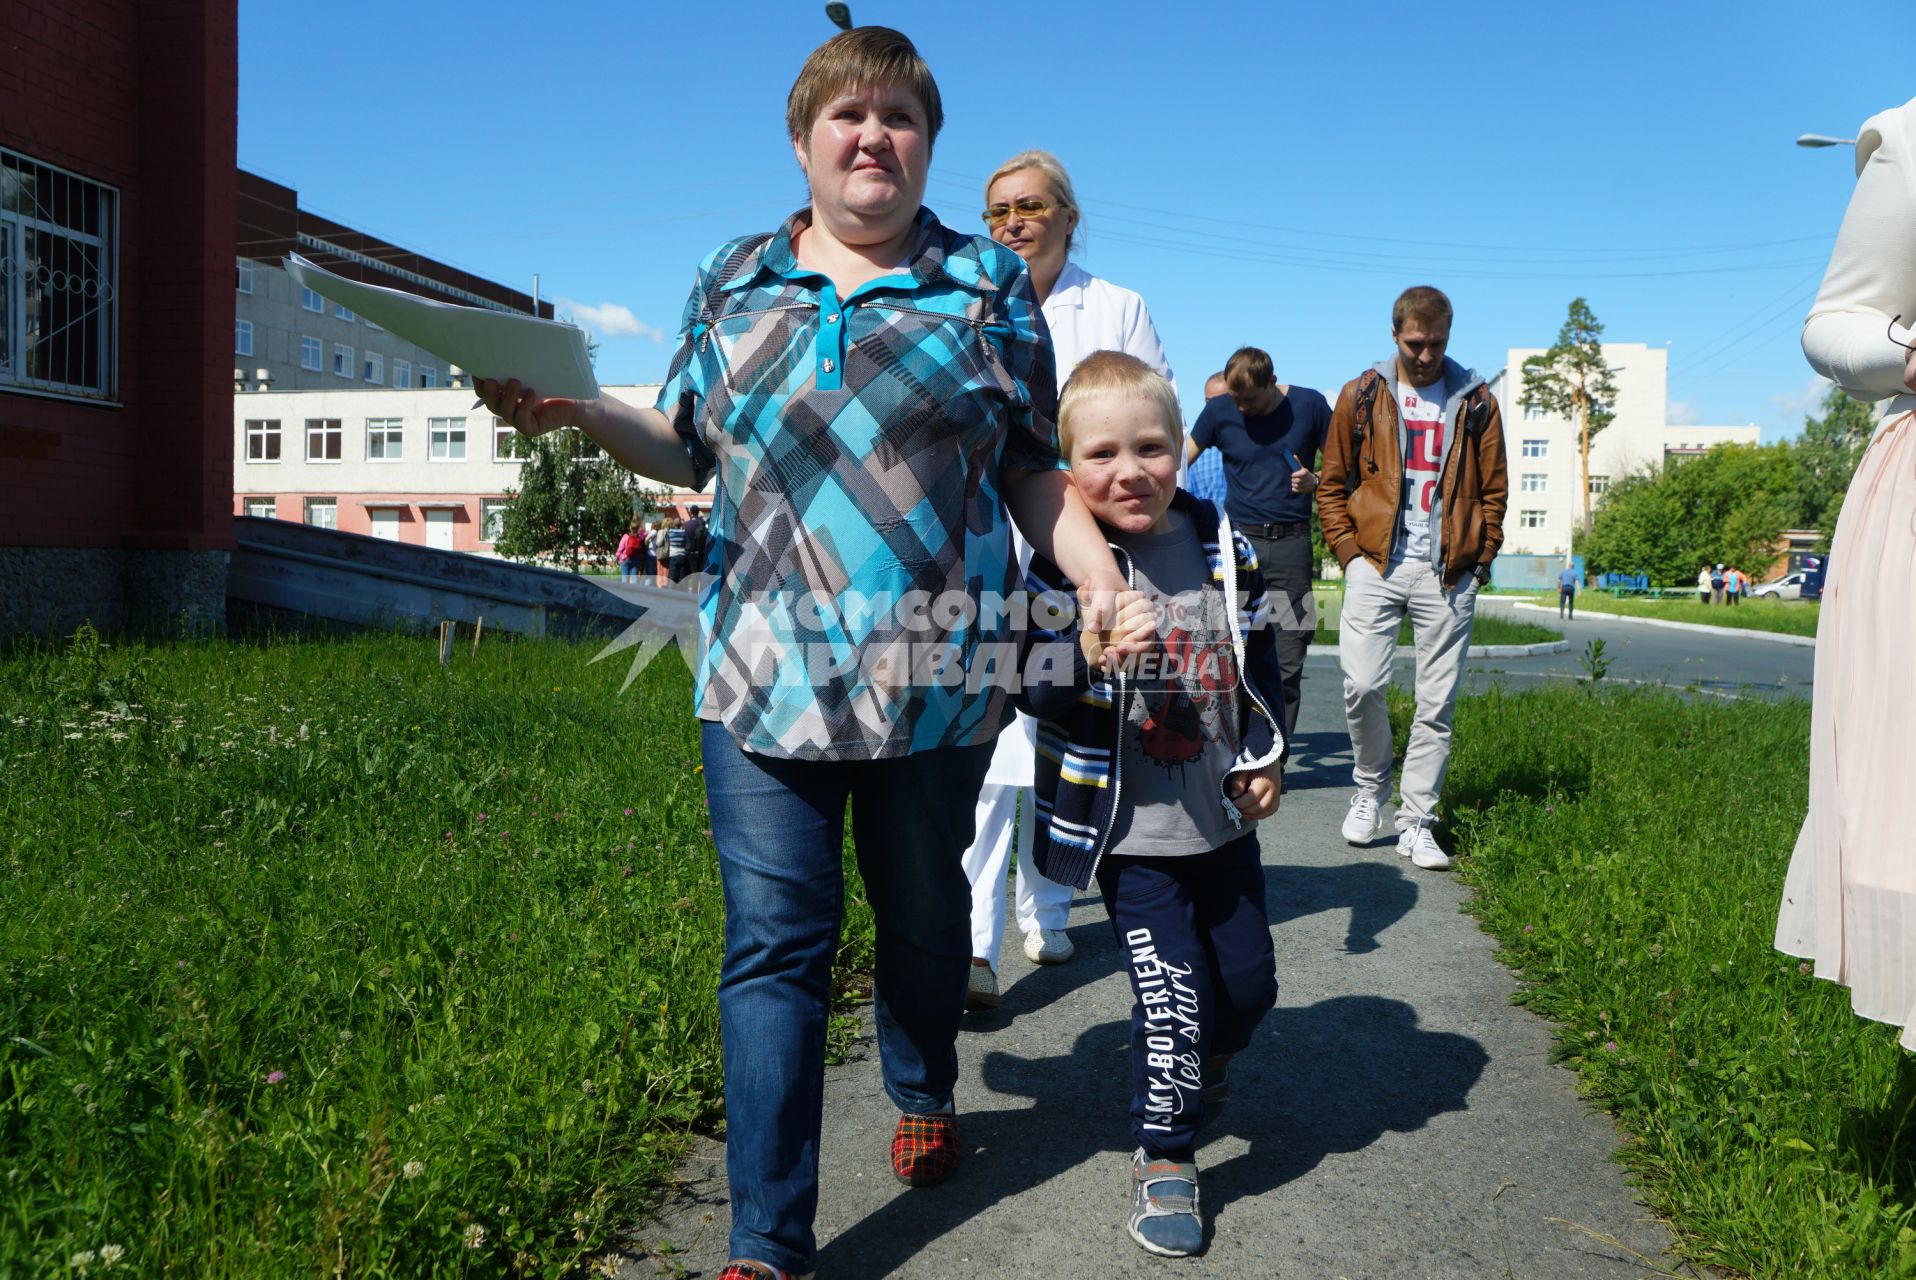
(1422, 412)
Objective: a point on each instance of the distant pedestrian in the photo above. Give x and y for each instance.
(1734, 584)
(1703, 585)
(1567, 584)
(661, 553)
(1412, 504)
(1718, 583)
(675, 549)
(697, 536)
(1206, 476)
(630, 551)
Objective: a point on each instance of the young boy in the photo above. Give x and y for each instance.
(1151, 778)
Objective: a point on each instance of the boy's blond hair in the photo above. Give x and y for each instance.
(1115, 375)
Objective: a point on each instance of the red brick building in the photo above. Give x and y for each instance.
(117, 216)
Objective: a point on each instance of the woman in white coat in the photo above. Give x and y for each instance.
(1849, 903)
(1031, 209)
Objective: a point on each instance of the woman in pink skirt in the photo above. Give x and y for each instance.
(1849, 902)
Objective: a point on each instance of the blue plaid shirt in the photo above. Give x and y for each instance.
(1205, 479)
(860, 444)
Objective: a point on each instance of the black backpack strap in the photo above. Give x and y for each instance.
(741, 250)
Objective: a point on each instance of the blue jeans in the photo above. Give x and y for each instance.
(779, 826)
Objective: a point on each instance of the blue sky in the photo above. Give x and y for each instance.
(1262, 173)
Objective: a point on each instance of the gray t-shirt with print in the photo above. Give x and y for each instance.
(1181, 731)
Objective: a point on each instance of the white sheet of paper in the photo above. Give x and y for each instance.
(545, 355)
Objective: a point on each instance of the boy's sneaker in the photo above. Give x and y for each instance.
(924, 1148)
(1164, 1207)
(981, 988)
(1365, 819)
(1048, 946)
(746, 1269)
(1421, 847)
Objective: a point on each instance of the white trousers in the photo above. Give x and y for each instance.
(1041, 903)
(1440, 620)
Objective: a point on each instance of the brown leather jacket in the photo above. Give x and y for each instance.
(1361, 487)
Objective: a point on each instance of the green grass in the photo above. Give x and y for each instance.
(1790, 617)
(1628, 852)
(319, 959)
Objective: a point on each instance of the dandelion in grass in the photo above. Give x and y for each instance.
(413, 1168)
(475, 1235)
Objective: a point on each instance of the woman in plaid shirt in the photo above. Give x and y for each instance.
(875, 394)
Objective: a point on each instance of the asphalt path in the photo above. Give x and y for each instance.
(1397, 1116)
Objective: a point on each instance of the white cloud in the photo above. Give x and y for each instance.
(1681, 413)
(1794, 406)
(609, 320)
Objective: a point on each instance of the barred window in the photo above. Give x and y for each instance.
(59, 280)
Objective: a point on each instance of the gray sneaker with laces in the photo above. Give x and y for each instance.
(1164, 1207)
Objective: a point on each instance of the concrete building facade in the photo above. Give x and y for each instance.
(1546, 504)
(286, 338)
(420, 465)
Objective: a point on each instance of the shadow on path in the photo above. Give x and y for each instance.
(1330, 1078)
(1318, 760)
(1377, 894)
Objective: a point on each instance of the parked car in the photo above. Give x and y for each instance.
(1787, 587)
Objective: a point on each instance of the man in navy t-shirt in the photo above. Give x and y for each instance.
(1270, 435)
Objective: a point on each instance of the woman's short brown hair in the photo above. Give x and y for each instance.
(864, 57)
(1421, 303)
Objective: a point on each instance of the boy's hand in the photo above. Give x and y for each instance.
(1257, 794)
(1133, 629)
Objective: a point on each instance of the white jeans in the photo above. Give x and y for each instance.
(1440, 622)
(1041, 903)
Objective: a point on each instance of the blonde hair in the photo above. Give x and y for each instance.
(864, 57)
(1055, 177)
(1113, 375)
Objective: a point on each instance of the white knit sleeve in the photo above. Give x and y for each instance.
(1872, 271)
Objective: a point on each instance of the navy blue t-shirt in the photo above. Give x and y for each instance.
(1257, 474)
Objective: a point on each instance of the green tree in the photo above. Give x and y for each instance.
(1728, 506)
(571, 505)
(1572, 379)
(1826, 456)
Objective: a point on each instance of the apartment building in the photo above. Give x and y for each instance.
(286, 338)
(417, 465)
(1545, 472)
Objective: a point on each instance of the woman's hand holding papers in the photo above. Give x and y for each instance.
(529, 412)
(640, 439)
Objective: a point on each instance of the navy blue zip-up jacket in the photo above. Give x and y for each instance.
(1080, 779)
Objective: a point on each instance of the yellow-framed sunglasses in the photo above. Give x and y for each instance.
(1027, 208)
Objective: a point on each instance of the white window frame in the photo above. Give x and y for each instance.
(312, 354)
(389, 435)
(343, 366)
(586, 449)
(428, 376)
(373, 368)
(311, 301)
(343, 313)
(491, 514)
(62, 274)
(402, 373)
(328, 505)
(264, 430)
(1534, 482)
(1530, 518)
(1599, 484)
(1535, 413)
(253, 506)
(242, 337)
(441, 435)
(1534, 447)
(245, 281)
(327, 429)
(504, 433)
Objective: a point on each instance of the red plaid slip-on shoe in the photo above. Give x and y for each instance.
(924, 1149)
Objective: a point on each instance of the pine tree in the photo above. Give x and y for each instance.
(1572, 380)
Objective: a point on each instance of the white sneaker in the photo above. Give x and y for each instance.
(981, 989)
(1048, 946)
(1421, 847)
(1365, 819)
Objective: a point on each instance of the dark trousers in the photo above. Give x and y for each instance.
(1288, 570)
(1195, 940)
(1566, 599)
